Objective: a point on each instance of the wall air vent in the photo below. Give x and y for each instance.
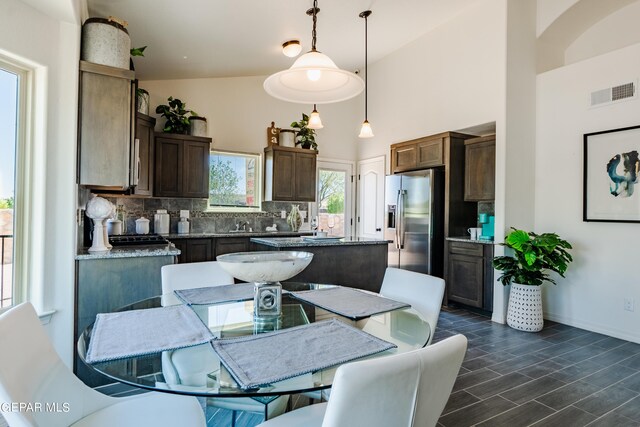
(610, 95)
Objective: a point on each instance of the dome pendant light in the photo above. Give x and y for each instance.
(314, 78)
(314, 119)
(365, 130)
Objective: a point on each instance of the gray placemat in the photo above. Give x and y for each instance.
(139, 332)
(349, 302)
(263, 359)
(216, 294)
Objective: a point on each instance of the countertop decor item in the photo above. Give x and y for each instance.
(306, 135)
(294, 219)
(98, 209)
(365, 130)
(142, 225)
(534, 257)
(313, 78)
(287, 138)
(273, 134)
(161, 222)
(177, 116)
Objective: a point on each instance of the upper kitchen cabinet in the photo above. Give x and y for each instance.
(181, 166)
(419, 153)
(105, 127)
(290, 174)
(480, 169)
(143, 153)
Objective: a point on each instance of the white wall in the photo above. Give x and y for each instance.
(238, 112)
(450, 78)
(606, 254)
(51, 46)
(618, 30)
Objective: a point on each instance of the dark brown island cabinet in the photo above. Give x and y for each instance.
(480, 169)
(290, 174)
(469, 274)
(181, 166)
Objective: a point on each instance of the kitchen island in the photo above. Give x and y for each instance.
(354, 262)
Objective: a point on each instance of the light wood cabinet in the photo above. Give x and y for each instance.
(106, 106)
(181, 166)
(480, 169)
(290, 174)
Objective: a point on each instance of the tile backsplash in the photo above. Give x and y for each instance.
(201, 220)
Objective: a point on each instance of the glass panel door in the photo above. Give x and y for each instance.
(8, 137)
(334, 208)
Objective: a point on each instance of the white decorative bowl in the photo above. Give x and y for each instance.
(267, 266)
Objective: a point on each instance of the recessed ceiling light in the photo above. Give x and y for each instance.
(184, 57)
(291, 48)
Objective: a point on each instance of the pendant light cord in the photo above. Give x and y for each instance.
(315, 21)
(366, 71)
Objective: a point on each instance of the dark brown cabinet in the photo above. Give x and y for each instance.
(194, 250)
(144, 151)
(181, 166)
(480, 169)
(290, 174)
(227, 245)
(417, 154)
(469, 274)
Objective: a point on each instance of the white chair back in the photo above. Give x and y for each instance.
(406, 390)
(177, 277)
(422, 291)
(32, 372)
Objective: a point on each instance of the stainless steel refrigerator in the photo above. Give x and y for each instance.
(414, 220)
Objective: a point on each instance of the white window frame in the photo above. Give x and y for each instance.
(259, 180)
(28, 250)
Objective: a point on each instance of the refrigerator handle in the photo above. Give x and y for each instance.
(397, 222)
(400, 227)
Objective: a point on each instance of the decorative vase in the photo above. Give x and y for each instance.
(525, 308)
(294, 219)
(198, 126)
(143, 103)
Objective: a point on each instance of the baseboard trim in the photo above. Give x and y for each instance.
(593, 327)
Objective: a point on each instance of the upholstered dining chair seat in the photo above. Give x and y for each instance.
(422, 291)
(404, 390)
(32, 371)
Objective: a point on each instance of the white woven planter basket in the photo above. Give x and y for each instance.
(525, 308)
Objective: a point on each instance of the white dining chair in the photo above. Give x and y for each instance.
(422, 291)
(405, 390)
(181, 367)
(32, 372)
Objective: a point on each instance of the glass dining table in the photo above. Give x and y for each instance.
(198, 371)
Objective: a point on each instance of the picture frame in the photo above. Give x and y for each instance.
(611, 186)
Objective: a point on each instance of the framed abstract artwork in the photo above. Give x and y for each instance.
(611, 171)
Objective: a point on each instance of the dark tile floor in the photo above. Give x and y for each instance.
(561, 376)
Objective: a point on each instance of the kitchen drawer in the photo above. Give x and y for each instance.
(471, 249)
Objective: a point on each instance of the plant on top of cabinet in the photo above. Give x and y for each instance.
(306, 136)
(177, 116)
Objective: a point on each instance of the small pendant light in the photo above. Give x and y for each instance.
(314, 119)
(365, 130)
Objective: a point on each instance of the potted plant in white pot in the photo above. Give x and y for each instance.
(535, 256)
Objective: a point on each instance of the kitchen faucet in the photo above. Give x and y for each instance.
(242, 224)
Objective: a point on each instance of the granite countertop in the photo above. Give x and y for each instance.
(297, 242)
(238, 234)
(466, 239)
(130, 252)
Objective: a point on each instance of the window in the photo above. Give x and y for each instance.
(334, 197)
(9, 107)
(234, 180)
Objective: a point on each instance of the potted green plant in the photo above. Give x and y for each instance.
(177, 116)
(306, 137)
(535, 256)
